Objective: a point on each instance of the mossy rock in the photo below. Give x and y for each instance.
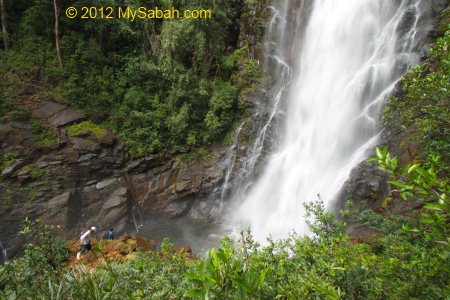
(79, 129)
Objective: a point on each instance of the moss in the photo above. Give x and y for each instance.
(37, 172)
(387, 202)
(77, 129)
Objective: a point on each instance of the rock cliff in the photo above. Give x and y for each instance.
(90, 179)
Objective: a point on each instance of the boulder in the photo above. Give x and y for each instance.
(105, 183)
(66, 117)
(108, 139)
(48, 109)
(114, 201)
(84, 145)
(7, 172)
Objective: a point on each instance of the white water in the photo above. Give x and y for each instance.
(352, 54)
(3, 254)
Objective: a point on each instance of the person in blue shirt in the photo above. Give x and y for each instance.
(110, 235)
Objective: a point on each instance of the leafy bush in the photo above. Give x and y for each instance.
(425, 184)
(44, 258)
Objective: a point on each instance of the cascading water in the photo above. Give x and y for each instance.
(3, 254)
(351, 55)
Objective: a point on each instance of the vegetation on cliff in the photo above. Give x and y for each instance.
(423, 107)
(163, 86)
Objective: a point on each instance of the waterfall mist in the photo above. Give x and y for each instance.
(332, 78)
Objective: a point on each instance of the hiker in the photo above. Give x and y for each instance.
(85, 241)
(110, 235)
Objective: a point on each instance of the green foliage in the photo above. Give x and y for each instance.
(77, 129)
(149, 276)
(167, 86)
(6, 160)
(44, 257)
(20, 115)
(422, 183)
(424, 106)
(8, 112)
(226, 273)
(166, 246)
(42, 135)
(322, 223)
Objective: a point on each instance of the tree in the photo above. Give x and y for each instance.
(4, 26)
(57, 8)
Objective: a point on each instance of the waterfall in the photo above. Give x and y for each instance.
(344, 65)
(4, 253)
(231, 160)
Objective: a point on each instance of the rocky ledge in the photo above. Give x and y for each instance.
(126, 247)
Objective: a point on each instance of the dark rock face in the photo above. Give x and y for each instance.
(81, 181)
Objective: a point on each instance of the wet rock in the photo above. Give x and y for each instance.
(178, 208)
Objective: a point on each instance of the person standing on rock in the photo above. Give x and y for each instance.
(85, 241)
(110, 234)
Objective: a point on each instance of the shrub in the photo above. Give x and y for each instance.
(44, 257)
